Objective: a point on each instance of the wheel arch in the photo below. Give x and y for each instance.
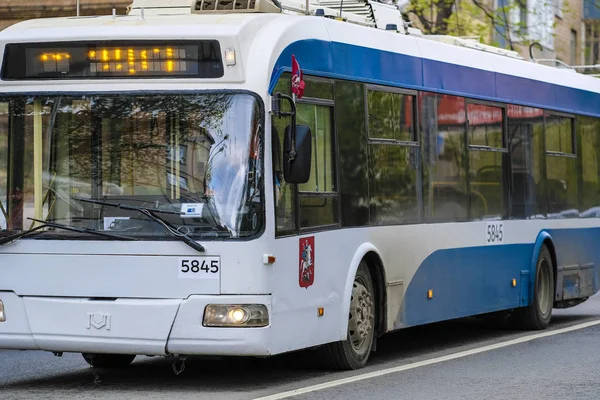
(369, 253)
(543, 238)
(378, 275)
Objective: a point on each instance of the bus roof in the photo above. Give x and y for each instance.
(328, 47)
(185, 26)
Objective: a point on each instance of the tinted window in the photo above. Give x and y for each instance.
(393, 184)
(561, 168)
(313, 87)
(318, 89)
(562, 187)
(443, 143)
(322, 172)
(485, 125)
(318, 211)
(525, 138)
(589, 134)
(317, 198)
(486, 161)
(486, 175)
(352, 132)
(393, 163)
(285, 194)
(390, 115)
(559, 134)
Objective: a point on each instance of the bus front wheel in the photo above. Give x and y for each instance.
(353, 353)
(537, 315)
(108, 360)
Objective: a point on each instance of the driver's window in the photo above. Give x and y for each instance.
(314, 204)
(487, 161)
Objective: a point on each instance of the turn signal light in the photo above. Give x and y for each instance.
(2, 315)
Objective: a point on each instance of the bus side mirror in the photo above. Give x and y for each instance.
(297, 153)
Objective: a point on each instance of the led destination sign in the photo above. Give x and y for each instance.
(113, 60)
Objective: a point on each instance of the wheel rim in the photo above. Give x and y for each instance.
(360, 323)
(543, 290)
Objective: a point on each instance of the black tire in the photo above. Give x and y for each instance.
(354, 352)
(538, 314)
(108, 360)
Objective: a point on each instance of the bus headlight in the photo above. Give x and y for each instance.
(236, 315)
(2, 315)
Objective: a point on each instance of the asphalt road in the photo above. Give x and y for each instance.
(562, 366)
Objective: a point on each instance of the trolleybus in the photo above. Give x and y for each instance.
(240, 178)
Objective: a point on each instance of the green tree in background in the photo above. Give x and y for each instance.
(502, 23)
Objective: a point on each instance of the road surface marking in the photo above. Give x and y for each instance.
(461, 354)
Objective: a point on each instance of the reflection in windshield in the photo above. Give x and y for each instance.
(197, 155)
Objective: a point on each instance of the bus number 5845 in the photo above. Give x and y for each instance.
(199, 267)
(495, 233)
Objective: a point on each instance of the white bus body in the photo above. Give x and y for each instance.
(130, 297)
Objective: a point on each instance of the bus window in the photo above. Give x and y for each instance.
(352, 144)
(21, 119)
(390, 116)
(318, 196)
(393, 158)
(443, 131)
(525, 139)
(165, 150)
(561, 167)
(487, 152)
(284, 193)
(589, 137)
(322, 172)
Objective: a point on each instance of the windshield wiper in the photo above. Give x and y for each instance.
(150, 213)
(47, 224)
(31, 232)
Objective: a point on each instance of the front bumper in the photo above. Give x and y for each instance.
(128, 326)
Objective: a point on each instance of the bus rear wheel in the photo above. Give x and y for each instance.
(108, 360)
(537, 315)
(353, 353)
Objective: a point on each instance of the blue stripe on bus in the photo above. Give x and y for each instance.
(477, 280)
(345, 61)
(465, 282)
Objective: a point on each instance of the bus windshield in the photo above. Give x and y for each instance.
(197, 157)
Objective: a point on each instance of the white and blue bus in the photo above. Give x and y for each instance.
(163, 192)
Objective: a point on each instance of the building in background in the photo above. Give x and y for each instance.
(591, 32)
(557, 25)
(13, 11)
